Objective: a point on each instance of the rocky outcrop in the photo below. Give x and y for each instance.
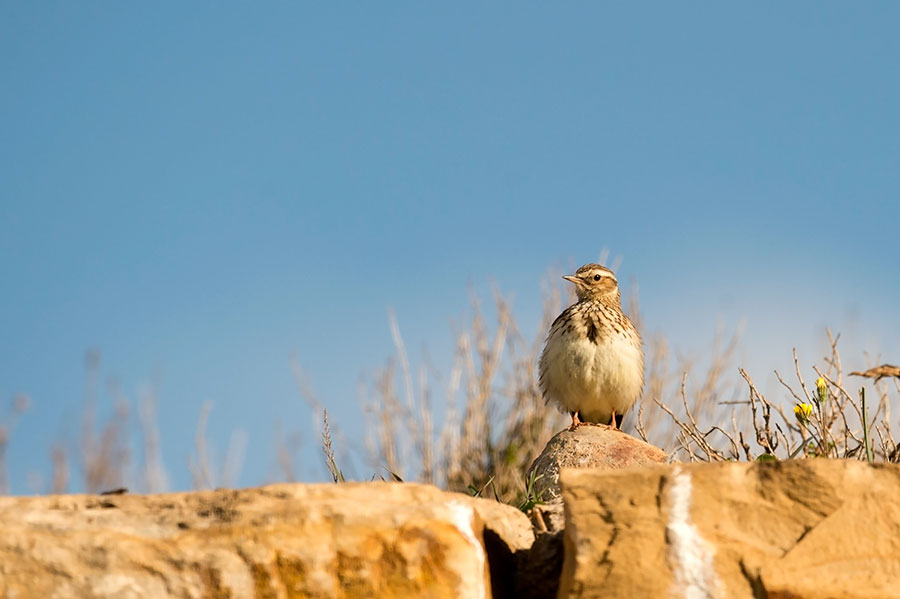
(799, 529)
(587, 446)
(280, 541)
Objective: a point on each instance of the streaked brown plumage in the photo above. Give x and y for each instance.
(592, 365)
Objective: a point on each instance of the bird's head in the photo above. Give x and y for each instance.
(594, 282)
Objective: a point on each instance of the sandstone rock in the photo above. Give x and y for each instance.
(280, 541)
(549, 517)
(588, 446)
(509, 525)
(538, 570)
(824, 529)
(508, 538)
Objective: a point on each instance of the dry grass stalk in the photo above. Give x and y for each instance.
(60, 477)
(105, 454)
(199, 465)
(488, 439)
(154, 473)
(327, 448)
(668, 413)
(18, 405)
(284, 454)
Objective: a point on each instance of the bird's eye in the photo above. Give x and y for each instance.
(596, 277)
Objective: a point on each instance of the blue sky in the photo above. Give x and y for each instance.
(201, 191)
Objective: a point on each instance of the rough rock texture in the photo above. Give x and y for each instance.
(539, 567)
(281, 541)
(589, 446)
(801, 529)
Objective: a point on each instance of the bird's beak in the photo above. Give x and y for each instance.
(571, 279)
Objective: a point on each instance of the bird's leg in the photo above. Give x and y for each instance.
(576, 421)
(612, 421)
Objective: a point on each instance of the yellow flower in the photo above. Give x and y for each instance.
(803, 411)
(822, 388)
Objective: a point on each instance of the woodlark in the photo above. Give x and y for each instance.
(592, 365)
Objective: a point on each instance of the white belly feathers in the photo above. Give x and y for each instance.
(594, 378)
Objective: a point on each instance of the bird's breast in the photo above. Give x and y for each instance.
(578, 367)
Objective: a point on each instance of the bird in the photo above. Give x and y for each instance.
(879, 372)
(592, 365)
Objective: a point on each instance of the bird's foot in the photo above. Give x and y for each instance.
(613, 424)
(576, 421)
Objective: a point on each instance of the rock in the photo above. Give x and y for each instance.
(802, 529)
(588, 446)
(508, 538)
(539, 568)
(548, 517)
(509, 525)
(281, 541)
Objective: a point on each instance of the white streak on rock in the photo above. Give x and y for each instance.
(690, 555)
(463, 516)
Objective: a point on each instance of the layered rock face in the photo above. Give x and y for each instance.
(813, 529)
(281, 541)
(805, 529)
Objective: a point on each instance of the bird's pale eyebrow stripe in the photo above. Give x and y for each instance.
(590, 270)
(604, 273)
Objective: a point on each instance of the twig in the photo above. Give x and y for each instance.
(865, 424)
